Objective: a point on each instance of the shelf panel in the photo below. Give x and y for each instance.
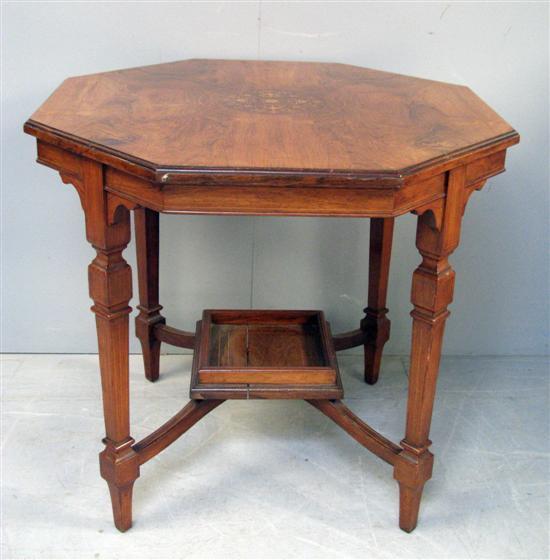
(264, 354)
(285, 345)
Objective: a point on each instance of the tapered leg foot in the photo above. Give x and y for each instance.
(409, 506)
(373, 359)
(151, 360)
(412, 469)
(145, 323)
(119, 466)
(121, 500)
(379, 325)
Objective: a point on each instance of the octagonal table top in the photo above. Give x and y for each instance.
(206, 118)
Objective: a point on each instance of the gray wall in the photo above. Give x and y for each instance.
(499, 49)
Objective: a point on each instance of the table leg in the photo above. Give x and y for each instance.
(375, 320)
(110, 282)
(437, 236)
(147, 248)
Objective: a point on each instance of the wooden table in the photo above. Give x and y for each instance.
(268, 139)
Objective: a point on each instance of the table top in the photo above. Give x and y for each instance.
(210, 117)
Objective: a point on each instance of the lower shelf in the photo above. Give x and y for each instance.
(264, 354)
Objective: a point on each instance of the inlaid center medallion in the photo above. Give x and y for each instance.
(274, 101)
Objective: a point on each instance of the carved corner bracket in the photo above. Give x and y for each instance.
(468, 191)
(70, 178)
(116, 204)
(433, 213)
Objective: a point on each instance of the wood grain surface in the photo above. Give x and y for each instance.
(222, 116)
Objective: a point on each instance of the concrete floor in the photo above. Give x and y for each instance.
(276, 479)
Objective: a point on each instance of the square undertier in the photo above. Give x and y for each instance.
(245, 354)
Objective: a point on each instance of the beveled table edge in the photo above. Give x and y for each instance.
(174, 175)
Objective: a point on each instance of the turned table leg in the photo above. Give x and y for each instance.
(147, 247)
(375, 320)
(437, 236)
(110, 282)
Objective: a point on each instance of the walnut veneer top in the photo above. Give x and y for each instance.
(209, 117)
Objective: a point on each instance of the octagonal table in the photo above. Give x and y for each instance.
(277, 139)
